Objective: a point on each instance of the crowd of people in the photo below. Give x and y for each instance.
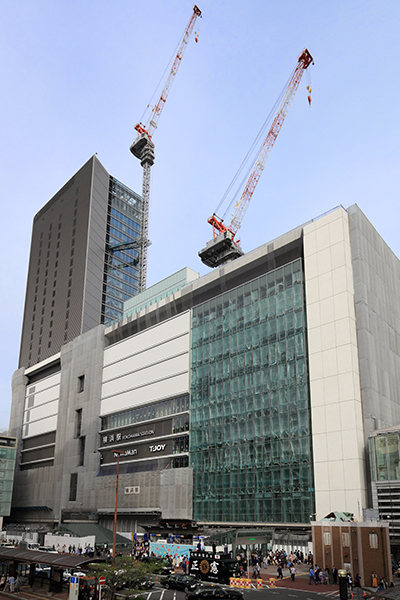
(9, 583)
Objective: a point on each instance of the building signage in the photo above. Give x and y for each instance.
(136, 433)
(157, 448)
(137, 452)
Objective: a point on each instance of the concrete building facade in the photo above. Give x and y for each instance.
(241, 398)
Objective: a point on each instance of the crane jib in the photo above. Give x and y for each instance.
(224, 248)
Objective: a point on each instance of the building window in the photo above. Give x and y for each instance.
(81, 384)
(73, 487)
(345, 540)
(78, 422)
(327, 538)
(81, 458)
(373, 540)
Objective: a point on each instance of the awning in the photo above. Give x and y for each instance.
(64, 561)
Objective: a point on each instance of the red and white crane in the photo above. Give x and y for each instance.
(143, 149)
(223, 247)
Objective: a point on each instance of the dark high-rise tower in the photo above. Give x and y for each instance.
(83, 262)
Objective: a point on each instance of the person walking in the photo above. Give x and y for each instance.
(312, 576)
(11, 581)
(292, 572)
(280, 574)
(350, 582)
(17, 584)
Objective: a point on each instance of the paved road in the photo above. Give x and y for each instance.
(280, 593)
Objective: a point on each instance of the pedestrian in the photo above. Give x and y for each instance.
(12, 584)
(312, 576)
(292, 572)
(280, 574)
(334, 574)
(17, 584)
(326, 576)
(350, 582)
(357, 581)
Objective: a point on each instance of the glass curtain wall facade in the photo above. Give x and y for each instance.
(384, 455)
(121, 278)
(250, 439)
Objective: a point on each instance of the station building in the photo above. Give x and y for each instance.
(241, 399)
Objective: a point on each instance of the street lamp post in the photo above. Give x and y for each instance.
(118, 453)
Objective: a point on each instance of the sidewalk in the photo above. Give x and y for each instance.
(40, 593)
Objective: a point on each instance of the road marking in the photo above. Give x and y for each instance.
(293, 595)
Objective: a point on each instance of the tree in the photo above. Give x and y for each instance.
(125, 573)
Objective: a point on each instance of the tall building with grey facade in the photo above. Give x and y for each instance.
(83, 263)
(243, 398)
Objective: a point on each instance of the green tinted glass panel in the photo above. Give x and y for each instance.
(250, 444)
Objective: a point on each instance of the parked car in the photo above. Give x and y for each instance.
(7, 545)
(180, 582)
(211, 592)
(42, 571)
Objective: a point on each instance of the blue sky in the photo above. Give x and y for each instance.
(77, 75)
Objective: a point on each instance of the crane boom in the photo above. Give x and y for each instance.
(227, 248)
(157, 110)
(143, 149)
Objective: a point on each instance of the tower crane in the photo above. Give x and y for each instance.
(143, 149)
(223, 247)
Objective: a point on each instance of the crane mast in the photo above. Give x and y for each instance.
(143, 149)
(223, 247)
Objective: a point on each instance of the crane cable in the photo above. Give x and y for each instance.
(251, 152)
(168, 67)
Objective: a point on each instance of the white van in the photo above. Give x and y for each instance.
(31, 545)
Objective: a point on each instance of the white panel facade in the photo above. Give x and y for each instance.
(336, 412)
(44, 397)
(142, 360)
(155, 391)
(44, 384)
(41, 412)
(147, 367)
(41, 406)
(39, 427)
(161, 370)
(167, 330)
